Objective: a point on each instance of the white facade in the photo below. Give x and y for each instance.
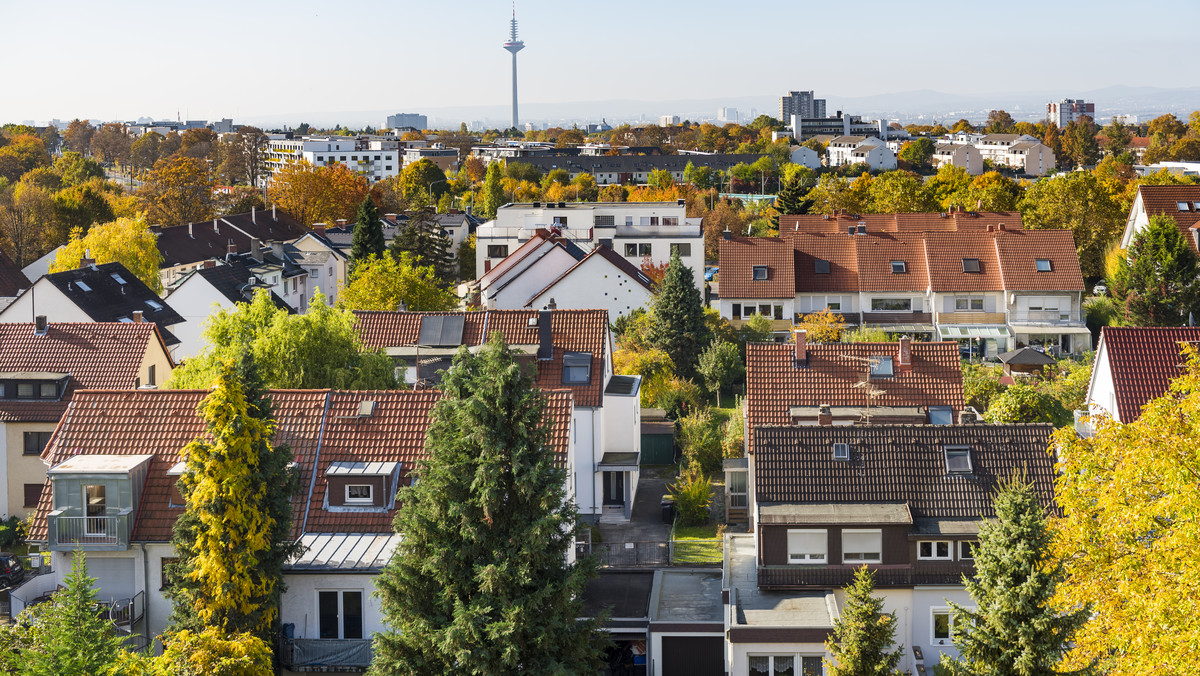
(376, 160)
(878, 158)
(195, 300)
(806, 157)
(854, 149)
(1102, 390)
(43, 298)
(325, 265)
(594, 283)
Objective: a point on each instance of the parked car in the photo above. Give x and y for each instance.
(1100, 290)
(11, 570)
(710, 273)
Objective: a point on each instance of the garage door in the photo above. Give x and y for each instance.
(693, 656)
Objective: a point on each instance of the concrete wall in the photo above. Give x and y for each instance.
(21, 469)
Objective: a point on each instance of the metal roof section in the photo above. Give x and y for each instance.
(101, 464)
(836, 513)
(348, 552)
(361, 468)
(441, 330)
(623, 386)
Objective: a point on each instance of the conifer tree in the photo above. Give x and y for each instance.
(1158, 279)
(235, 534)
(368, 233)
(493, 191)
(423, 238)
(480, 583)
(1015, 629)
(863, 633)
(677, 324)
(791, 198)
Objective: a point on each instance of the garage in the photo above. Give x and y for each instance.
(693, 656)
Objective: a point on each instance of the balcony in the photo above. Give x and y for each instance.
(98, 533)
(1084, 429)
(1050, 317)
(970, 318)
(325, 654)
(897, 318)
(890, 575)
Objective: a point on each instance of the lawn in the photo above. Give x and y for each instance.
(692, 545)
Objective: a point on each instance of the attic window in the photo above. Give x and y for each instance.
(970, 264)
(118, 279)
(1043, 265)
(83, 286)
(1182, 206)
(841, 451)
(881, 367)
(155, 305)
(359, 494)
(1196, 205)
(821, 267)
(958, 459)
(899, 267)
(941, 415)
(577, 368)
(760, 273)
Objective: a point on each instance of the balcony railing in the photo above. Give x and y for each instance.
(890, 575)
(897, 318)
(1084, 428)
(970, 318)
(325, 654)
(110, 532)
(1043, 317)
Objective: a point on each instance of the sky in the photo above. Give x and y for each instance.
(123, 60)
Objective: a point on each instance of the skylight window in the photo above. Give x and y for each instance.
(1043, 265)
(970, 264)
(1196, 205)
(899, 267)
(958, 459)
(118, 279)
(83, 286)
(821, 267)
(941, 415)
(154, 305)
(1182, 206)
(760, 273)
(881, 367)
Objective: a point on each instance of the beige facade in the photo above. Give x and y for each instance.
(25, 470)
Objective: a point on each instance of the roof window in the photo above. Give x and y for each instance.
(760, 273)
(155, 305)
(899, 267)
(1043, 265)
(958, 459)
(881, 367)
(83, 286)
(118, 279)
(941, 415)
(1182, 206)
(577, 368)
(841, 452)
(821, 267)
(970, 264)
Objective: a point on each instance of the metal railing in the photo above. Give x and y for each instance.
(127, 612)
(70, 532)
(325, 654)
(970, 317)
(627, 554)
(1044, 316)
(888, 575)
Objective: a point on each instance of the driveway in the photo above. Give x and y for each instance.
(645, 530)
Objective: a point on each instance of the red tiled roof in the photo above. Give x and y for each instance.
(1020, 251)
(875, 253)
(774, 384)
(740, 255)
(838, 249)
(953, 221)
(96, 355)
(946, 252)
(1163, 200)
(1143, 362)
(12, 280)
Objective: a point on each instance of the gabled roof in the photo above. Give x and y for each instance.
(774, 384)
(954, 221)
(191, 243)
(901, 464)
(1163, 200)
(740, 255)
(233, 281)
(946, 252)
(875, 253)
(110, 300)
(320, 427)
(837, 249)
(619, 262)
(12, 280)
(1020, 251)
(100, 355)
(1143, 362)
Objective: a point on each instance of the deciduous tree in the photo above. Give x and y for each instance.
(318, 194)
(1027, 403)
(75, 169)
(78, 136)
(127, 241)
(825, 326)
(178, 190)
(493, 192)
(111, 143)
(26, 220)
(1079, 202)
(420, 182)
(999, 122)
(144, 152)
(387, 283)
(918, 152)
(863, 634)
(899, 192)
(720, 365)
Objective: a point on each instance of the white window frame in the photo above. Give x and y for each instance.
(933, 553)
(797, 661)
(808, 558)
(369, 500)
(943, 610)
(862, 531)
(968, 303)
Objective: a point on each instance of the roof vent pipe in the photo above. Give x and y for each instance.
(40, 326)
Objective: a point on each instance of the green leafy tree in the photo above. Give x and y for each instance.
(1119, 137)
(128, 241)
(235, 534)
(1016, 628)
(75, 169)
(1158, 278)
(480, 582)
(918, 152)
(1027, 403)
(368, 233)
(317, 349)
(1079, 202)
(899, 191)
(421, 182)
(693, 494)
(700, 441)
(493, 191)
(981, 384)
(998, 122)
(863, 634)
(387, 284)
(720, 366)
(677, 323)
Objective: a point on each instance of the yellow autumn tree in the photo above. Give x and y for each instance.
(318, 194)
(127, 241)
(824, 326)
(385, 283)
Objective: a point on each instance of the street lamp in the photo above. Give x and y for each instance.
(430, 190)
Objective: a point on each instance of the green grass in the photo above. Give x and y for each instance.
(696, 545)
(696, 532)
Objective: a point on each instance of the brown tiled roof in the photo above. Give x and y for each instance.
(1162, 200)
(946, 252)
(1020, 251)
(838, 249)
(100, 355)
(12, 280)
(953, 221)
(572, 331)
(901, 464)
(876, 251)
(774, 384)
(313, 423)
(1143, 362)
(739, 255)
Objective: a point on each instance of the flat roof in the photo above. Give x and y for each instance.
(946, 526)
(834, 513)
(688, 596)
(100, 464)
(624, 594)
(815, 609)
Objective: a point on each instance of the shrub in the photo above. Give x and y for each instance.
(678, 398)
(12, 532)
(700, 439)
(980, 384)
(823, 326)
(1027, 403)
(693, 496)
(733, 443)
(867, 334)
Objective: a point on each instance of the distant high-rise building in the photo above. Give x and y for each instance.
(727, 115)
(1068, 110)
(514, 45)
(804, 104)
(668, 120)
(414, 120)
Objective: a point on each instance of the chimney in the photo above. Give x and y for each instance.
(273, 216)
(968, 416)
(137, 317)
(341, 222)
(253, 213)
(801, 345)
(824, 415)
(87, 259)
(850, 230)
(209, 264)
(216, 228)
(277, 249)
(545, 335)
(40, 326)
(256, 249)
(319, 228)
(231, 249)
(999, 227)
(190, 231)
(552, 305)
(904, 359)
(727, 235)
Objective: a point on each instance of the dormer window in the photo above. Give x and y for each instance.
(821, 267)
(1043, 265)
(760, 273)
(958, 459)
(841, 452)
(577, 368)
(882, 367)
(970, 264)
(360, 485)
(899, 267)
(360, 494)
(155, 305)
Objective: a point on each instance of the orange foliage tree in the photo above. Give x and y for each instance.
(318, 194)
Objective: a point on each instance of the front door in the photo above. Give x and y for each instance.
(614, 488)
(95, 507)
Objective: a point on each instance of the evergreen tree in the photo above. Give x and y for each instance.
(863, 633)
(235, 534)
(1158, 278)
(368, 233)
(791, 198)
(1015, 629)
(677, 326)
(480, 584)
(493, 192)
(423, 239)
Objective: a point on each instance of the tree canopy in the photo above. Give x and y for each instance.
(387, 283)
(1157, 279)
(127, 241)
(677, 322)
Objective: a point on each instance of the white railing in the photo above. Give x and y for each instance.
(1043, 316)
(1084, 428)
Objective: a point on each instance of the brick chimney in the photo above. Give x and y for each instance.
(87, 260)
(319, 229)
(256, 249)
(341, 222)
(904, 358)
(208, 264)
(824, 415)
(137, 317)
(231, 249)
(40, 326)
(801, 345)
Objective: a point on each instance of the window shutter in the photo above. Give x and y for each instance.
(807, 542)
(859, 542)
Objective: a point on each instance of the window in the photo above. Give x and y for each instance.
(834, 306)
(1196, 205)
(760, 273)
(968, 303)
(560, 221)
(966, 550)
(1182, 206)
(606, 220)
(736, 487)
(1043, 265)
(970, 264)
(33, 494)
(670, 220)
(629, 220)
(343, 158)
(645, 249)
(862, 546)
(654, 220)
(778, 311)
(891, 304)
(899, 267)
(785, 665)
(941, 415)
(35, 442)
(497, 250)
(315, 273)
(155, 305)
(764, 310)
(150, 376)
(841, 451)
(360, 494)
(577, 368)
(807, 546)
(882, 367)
(340, 614)
(630, 249)
(83, 286)
(683, 249)
(935, 550)
(24, 390)
(958, 459)
(167, 568)
(821, 267)
(736, 313)
(942, 626)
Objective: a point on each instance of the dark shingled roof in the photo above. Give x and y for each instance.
(111, 301)
(901, 464)
(232, 279)
(194, 242)
(12, 280)
(1026, 356)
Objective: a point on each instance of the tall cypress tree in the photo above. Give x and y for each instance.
(480, 583)
(677, 324)
(368, 232)
(492, 197)
(1015, 629)
(863, 633)
(235, 534)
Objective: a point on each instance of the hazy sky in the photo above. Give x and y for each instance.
(121, 59)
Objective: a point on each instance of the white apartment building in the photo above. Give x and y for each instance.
(376, 159)
(635, 230)
(959, 155)
(1017, 151)
(1066, 111)
(861, 149)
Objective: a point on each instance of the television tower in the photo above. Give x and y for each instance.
(514, 45)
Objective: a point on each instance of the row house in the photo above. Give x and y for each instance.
(42, 365)
(185, 247)
(635, 230)
(1180, 202)
(112, 493)
(976, 280)
(631, 168)
(1022, 152)
(568, 349)
(958, 155)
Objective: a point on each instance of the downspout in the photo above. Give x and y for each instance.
(146, 597)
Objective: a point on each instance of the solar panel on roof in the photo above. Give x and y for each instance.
(441, 330)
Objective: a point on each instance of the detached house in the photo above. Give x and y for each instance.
(868, 150)
(1133, 365)
(209, 288)
(1180, 202)
(569, 349)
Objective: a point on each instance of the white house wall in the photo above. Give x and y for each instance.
(527, 279)
(595, 284)
(195, 300)
(738, 654)
(586, 435)
(299, 603)
(1102, 393)
(43, 299)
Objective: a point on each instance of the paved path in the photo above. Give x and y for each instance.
(645, 530)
